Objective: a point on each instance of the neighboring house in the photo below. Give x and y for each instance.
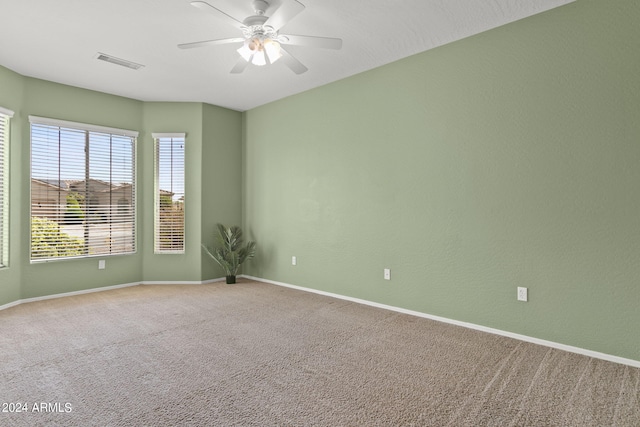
(166, 193)
(48, 198)
(97, 199)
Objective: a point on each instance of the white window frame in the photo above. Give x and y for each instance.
(176, 170)
(117, 230)
(5, 116)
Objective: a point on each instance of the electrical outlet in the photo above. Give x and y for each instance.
(102, 264)
(522, 294)
(294, 260)
(387, 274)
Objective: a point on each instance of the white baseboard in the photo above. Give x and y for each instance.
(219, 279)
(559, 346)
(108, 288)
(67, 294)
(11, 304)
(182, 282)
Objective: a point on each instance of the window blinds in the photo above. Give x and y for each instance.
(82, 190)
(5, 115)
(169, 193)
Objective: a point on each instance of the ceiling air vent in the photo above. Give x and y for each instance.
(118, 61)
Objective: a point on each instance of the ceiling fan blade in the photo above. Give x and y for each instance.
(286, 12)
(202, 5)
(240, 66)
(311, 41)
(210, 43)
(291, 62)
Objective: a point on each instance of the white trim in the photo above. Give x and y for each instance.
(11, 304)
(181, 282)
(82, 126)
(109, 288)
(67, 294)
(177, 282)
(6, 112)
(219, 279)
(559, 346)
(157, 135)
(564, 347)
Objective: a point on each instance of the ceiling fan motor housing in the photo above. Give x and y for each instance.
(255, 20)
(255, 31)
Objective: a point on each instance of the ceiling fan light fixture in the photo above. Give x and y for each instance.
(261, 38)
(245, 51)
(258, 50)
(255, 44)
(272, 49)
(259, 58)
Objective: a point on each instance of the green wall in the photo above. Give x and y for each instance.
(506, 159)
(11, 96)
(221, 177)
(173, 117)
(213, 184)
(28, 96)
(46, 99)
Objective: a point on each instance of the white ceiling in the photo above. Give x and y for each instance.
(59, 40)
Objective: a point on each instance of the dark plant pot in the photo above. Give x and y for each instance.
(231, 280)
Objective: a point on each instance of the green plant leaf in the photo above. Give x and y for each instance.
(230, 253)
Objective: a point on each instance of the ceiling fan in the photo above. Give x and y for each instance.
(261, 39)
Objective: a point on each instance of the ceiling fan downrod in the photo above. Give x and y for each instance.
(260, 6)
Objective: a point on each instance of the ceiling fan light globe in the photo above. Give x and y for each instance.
(259, 59)
(272, 49)
(245, 52)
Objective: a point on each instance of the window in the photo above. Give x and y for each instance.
(169, 193)
(82, 190)
(5, 115)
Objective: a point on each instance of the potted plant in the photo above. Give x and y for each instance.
(230, 253)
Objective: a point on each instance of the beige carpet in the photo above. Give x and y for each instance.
(257, 354)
